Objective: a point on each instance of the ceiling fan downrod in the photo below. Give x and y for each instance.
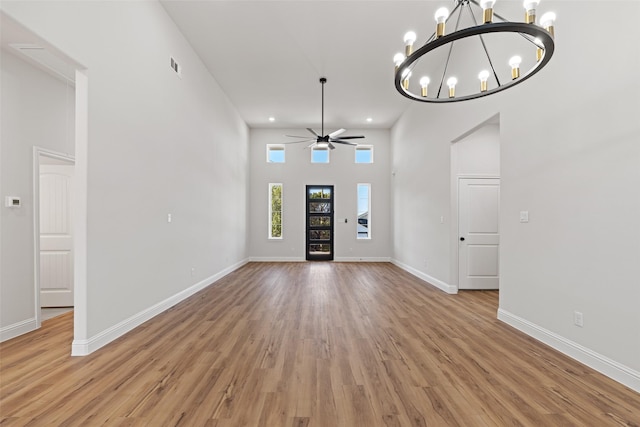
(323, 80)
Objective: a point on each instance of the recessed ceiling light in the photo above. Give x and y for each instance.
(369, 119)
(272, 119)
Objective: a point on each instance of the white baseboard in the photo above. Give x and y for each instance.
(337, 259)
(276, 259)
(85, 347)
(18, 329)
(362, 259)
(432, 280)
(600, 363)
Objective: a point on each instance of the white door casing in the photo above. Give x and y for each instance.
(56, 240)
(479, 234)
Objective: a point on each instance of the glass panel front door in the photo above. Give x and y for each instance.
(319, 245)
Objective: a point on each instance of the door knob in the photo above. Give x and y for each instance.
(462, 239)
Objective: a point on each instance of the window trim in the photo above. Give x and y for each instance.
(276, 147)
(363, 147)
(270, 218)
(368, 236)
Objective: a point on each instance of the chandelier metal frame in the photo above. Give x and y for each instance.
(538, 36)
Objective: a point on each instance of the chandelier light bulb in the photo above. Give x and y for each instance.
(452, 82)
(530, 14)
(487, 10)
(406, 75)
(441, 17)
(409, 39)
(424, 84)
(515, 62)
(483, 76)
(398, 59)
(539, 49)
(547, 20)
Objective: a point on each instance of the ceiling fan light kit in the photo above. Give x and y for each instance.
(321, 140)
(539, 38)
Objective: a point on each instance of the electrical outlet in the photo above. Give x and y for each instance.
(193, 271)
(578, 319)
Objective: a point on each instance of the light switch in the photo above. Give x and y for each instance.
(168, 217)
(524, 216)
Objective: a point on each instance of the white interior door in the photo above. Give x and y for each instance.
(56, 242)
(479, 239)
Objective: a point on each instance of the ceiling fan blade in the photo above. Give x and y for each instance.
(352, 137)
(297, 142)
(312, 131)
(336, 133)
(340, 141)
(331, 146)
(312, 144)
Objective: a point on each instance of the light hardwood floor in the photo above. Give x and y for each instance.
(310, 344)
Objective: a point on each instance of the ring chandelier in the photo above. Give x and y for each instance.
(539, 39)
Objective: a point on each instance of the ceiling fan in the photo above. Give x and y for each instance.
(322, 140)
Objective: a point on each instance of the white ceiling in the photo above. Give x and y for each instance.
(269, 55)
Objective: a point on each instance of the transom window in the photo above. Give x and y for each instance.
(364, 154)
(319, 155)
(275, 153)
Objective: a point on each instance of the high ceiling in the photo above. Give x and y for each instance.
(269, 55)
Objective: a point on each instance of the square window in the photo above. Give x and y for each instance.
(319, 155)
(275, 153)
(364, 154)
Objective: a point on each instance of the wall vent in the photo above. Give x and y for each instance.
(175, 66)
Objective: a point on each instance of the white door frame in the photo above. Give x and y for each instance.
(37, 152)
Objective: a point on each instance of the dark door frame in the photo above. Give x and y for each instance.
(319, 222)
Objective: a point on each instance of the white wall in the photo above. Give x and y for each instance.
(477, 154)
(570, 156)
(157, 144)
(37, 110)
(343, 173)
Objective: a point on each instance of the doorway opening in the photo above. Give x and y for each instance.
(475, 207)
(61, 66)
(319, 223)
(53, 233)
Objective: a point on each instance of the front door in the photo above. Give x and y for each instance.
(319, 230)
(479, 239)
(56, 241)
